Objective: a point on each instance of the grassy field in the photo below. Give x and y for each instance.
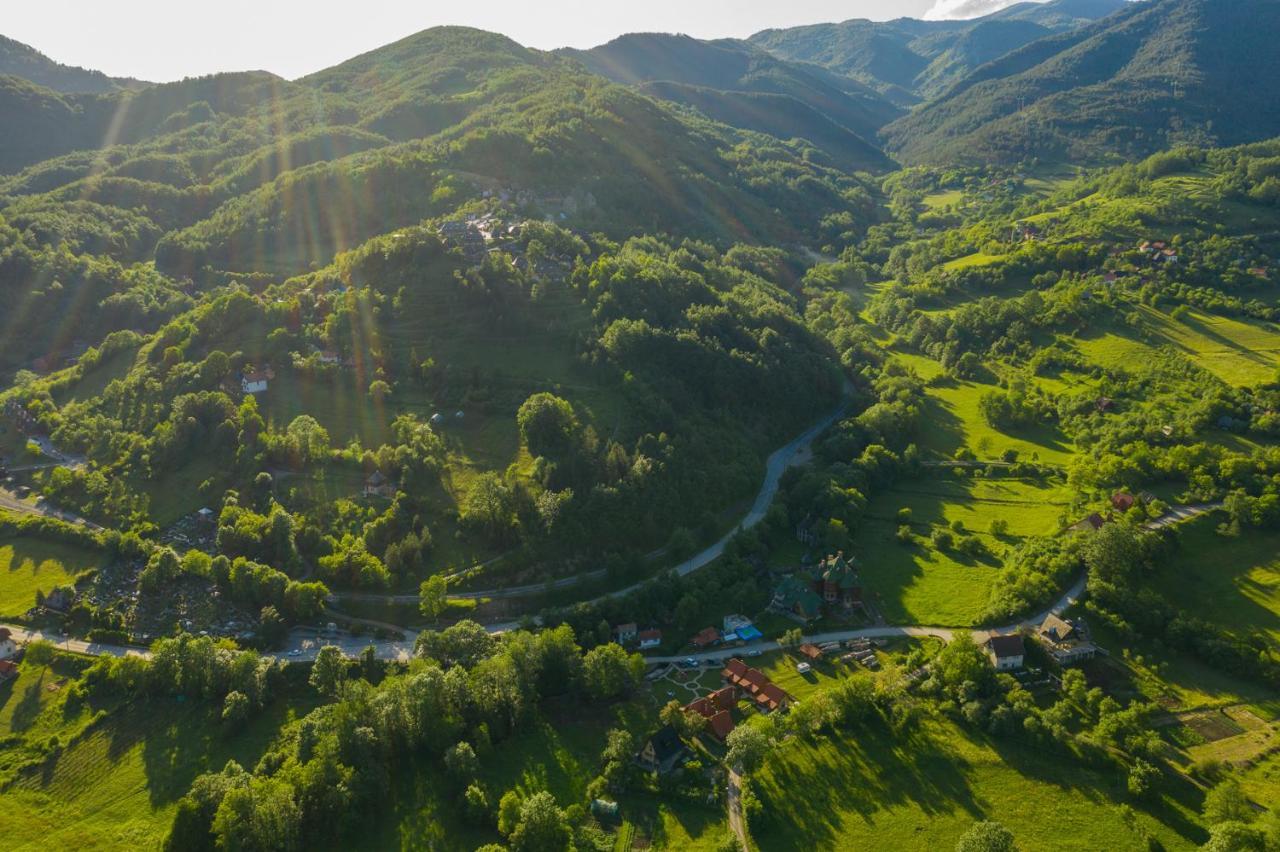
(115, 785)
(943, 200)
(874, 790)
(1240, 352)
(1233, 582)
(955, 420)
(28, 564)
(917, 584)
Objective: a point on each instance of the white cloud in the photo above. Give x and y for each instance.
(959, 10)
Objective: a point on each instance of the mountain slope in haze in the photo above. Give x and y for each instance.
(743, 86)
(20, 60)
(911, 60)
(1155, 75)
(248, 173)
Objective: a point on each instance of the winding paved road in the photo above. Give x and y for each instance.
(304, 644)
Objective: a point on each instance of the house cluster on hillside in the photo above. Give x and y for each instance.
(755, 686)
(1158, 251)
(1121, 502)
(629, 635)
(828, 588)
(255, 381)
(1067, 642)
(738, 629)
(717, 709)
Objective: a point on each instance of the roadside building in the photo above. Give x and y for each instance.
(1006, 652)
(649, 639)
(625, 634)
(706, 637)
(1067, 642)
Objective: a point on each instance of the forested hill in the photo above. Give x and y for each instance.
(742, 85)
(910, 60)
(20, 60)
(1155, 75)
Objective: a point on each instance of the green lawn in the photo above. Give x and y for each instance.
(28, 564)
(917, 584)
(870, 789)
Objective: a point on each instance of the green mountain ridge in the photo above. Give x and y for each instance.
(917, 60)
(743, 86)
(1146, 79)
(20, 60)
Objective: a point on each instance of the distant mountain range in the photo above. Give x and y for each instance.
(1081, 80)
(909, 60)
(1153, 75)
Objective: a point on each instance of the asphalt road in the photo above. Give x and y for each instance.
(304, 644)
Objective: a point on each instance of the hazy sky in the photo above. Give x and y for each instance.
(168, 39)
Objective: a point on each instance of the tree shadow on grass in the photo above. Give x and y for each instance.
(1065, 771)
(27, 710)
(857, 774)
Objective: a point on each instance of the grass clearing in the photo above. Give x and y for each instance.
(30, 564)
(917, 584)
(1231, 581)
(1240, 352)
(873, 790)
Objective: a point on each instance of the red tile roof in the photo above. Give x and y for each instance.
(647, 635)
(7, 667)
(724, 699)
(734, 668)
(721, 725)
(702, 706)
(5, 633)
(813, 652)
(707, 636)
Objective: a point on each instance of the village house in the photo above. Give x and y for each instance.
(1123, 501)
(255, 381)
(377, 485)
(662, 751)
(8, 648)
(649, 639)
(754, 685)
(829, 587)
(1006, 652)
(1092, 523)
(1067, 642)
(810, 652)
(709, 705)
(706, 637)
(625, 634)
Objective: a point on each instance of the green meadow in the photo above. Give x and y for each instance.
(1240, 352)
(873, 789)
(29, 564)
(916, 583)
(1231, 581)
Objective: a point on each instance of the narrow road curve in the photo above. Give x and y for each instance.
(776, 465)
